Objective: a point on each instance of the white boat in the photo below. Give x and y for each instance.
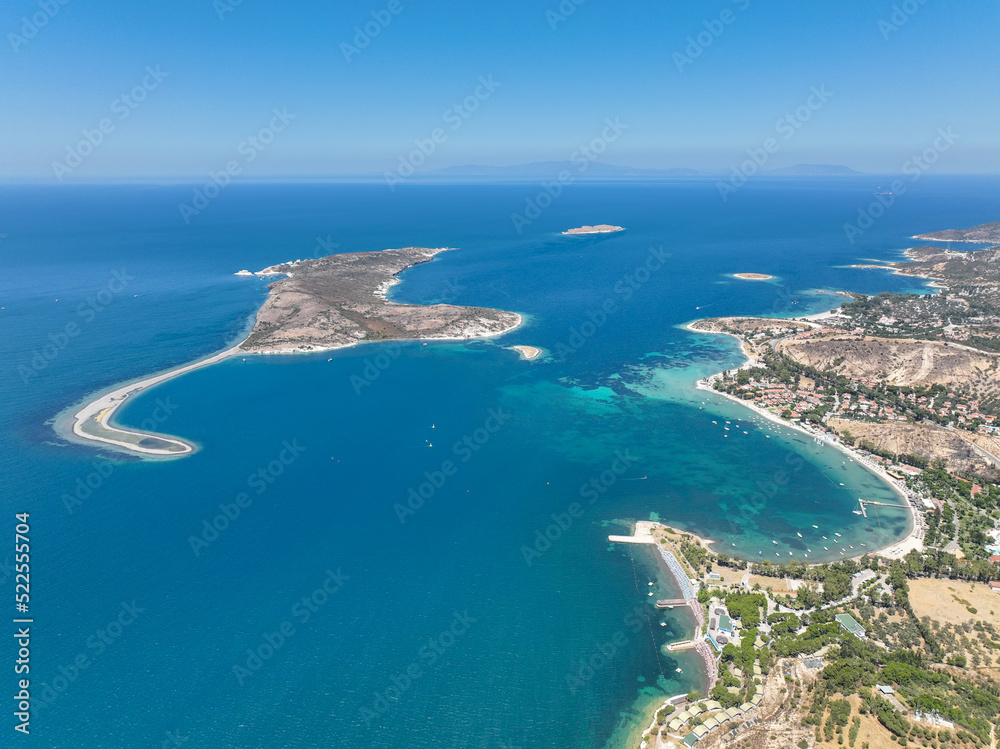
(798, 534)
(837, 534)
(816, 527)
(774, 542)
(650, 583)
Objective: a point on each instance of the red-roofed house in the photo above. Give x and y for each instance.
(994, 586)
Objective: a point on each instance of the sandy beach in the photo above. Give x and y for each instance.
(894, 550)
(526, 352)
(92, 421)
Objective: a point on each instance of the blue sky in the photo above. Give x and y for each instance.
(229, 64)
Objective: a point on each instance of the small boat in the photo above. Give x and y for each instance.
(715, 422)
(850, 547)
(678, 670)
(777, 554)
(650, 583)
(864, 545)
(816, 527)
(774, 542)
(761, 553)
(789, 553)
(663, 624)
(825, 538)
(650, 593)
(837, 534)
(798, 534)
(825, 548)
(809, 550)
(806, 556)
(734, 546)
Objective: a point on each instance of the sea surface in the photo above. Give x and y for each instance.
(401, 544)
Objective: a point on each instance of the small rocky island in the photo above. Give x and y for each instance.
(599, 229)
(340, 300)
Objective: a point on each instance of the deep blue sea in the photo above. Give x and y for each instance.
(327, 611)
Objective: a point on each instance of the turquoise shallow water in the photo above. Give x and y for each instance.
(434, 631)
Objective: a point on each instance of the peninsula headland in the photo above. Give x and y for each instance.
(321, 304)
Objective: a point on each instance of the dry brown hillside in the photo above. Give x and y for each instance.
(901, 362)
(926, 440)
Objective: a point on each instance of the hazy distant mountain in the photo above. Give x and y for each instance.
(552, 168)
(815, 170)
(549, 169)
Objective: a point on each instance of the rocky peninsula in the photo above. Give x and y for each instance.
(325, 303)
(340, 300)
